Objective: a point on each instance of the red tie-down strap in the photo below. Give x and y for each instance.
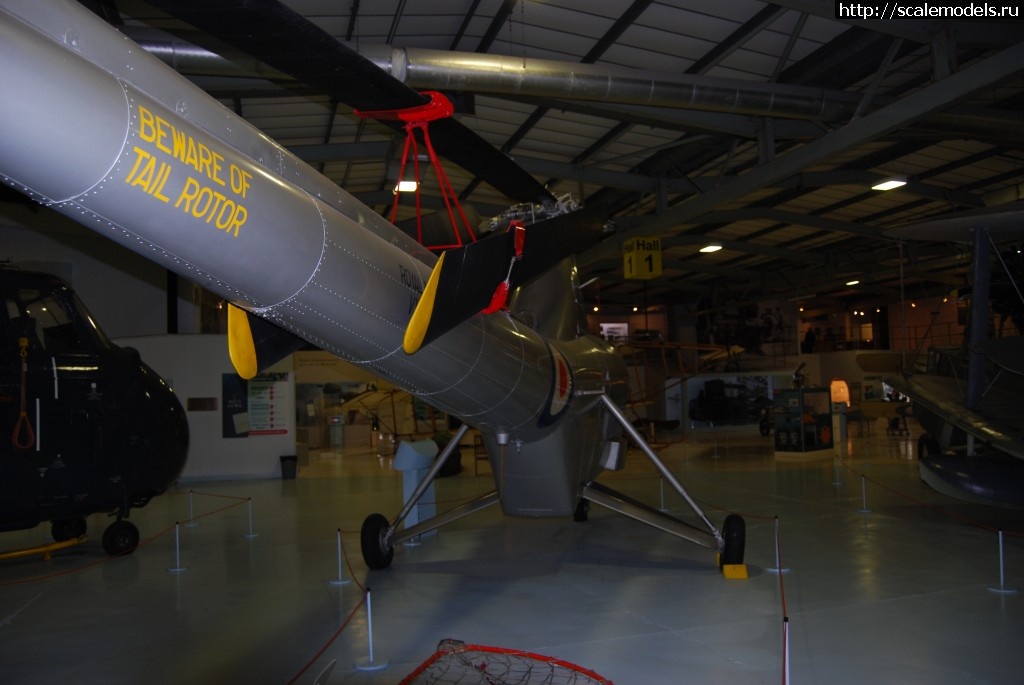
(499, 300)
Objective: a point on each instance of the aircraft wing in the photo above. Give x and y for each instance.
(371, 400)
(996, 421)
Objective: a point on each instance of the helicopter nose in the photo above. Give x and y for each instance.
(156, 425)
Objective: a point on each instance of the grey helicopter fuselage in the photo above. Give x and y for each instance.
(106, 134)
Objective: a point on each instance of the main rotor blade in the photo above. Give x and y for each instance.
(287, 41)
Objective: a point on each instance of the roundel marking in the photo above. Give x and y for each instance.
(560, 392)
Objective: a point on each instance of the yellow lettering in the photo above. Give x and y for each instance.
(204, 160)
(205, 197)
(205, 203)
(179, 145)
(140, 154)
(217, 200)
(161, 135)
(237, 219)
(145, 177)
(165, 172)
(146, 129)
(228, 209)
(239, 180)
(191, 156)
(215, 175)
(188, 194)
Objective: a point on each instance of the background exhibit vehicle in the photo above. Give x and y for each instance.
(87, 426)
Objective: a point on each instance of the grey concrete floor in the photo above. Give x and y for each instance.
(899, 594)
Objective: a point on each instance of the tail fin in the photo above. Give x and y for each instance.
(464, 280)
(254, 344)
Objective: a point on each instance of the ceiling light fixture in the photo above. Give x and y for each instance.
(890, 183)
(853, 282)
(406, 187)
(712, 247)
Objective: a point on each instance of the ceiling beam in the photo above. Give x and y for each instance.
(913, 107)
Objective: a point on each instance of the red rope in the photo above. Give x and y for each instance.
(337, 633)
(937, 509)
(98, 562)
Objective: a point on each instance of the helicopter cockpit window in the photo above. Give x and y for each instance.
(51, 321)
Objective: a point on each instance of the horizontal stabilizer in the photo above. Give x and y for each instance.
(465, 279)
(255, 344)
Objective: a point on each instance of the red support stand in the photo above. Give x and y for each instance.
(418, 119)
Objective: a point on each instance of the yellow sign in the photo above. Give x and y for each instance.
(641, 258)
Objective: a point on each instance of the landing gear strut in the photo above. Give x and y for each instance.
(729, 542)
(379, 537)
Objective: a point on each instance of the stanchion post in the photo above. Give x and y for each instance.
(778, 555)
(785, 650)
(368, 663)
(1002, 577)
(191, 523)
(864, 495)
(340, 580)
(661, 490)
(836, 480)
(177, 568)
(250, 534)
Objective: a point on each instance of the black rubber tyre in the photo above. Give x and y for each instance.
(120, 537)
(734, 534)
(927, 446)
(582, 512)
(376, 554)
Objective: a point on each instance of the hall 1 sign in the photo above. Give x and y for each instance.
(641, 258)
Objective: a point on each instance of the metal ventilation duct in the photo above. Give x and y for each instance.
(500, 75)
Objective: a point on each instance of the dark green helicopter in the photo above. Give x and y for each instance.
(85, 425)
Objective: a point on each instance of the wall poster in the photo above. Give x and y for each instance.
(255, 407)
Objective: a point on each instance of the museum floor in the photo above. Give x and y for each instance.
(897, 594)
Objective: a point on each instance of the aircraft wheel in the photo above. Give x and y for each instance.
(734, 534)
(68, 529)
(376, 553)
(582, 512)
(927, 446)
(120, 537)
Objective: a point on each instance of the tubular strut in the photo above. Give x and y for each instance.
(393, 536)
(595, 492)
(617, 502)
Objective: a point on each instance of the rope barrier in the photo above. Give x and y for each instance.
(335, 636)
(142, 543)
(956, 517)
(785, 606)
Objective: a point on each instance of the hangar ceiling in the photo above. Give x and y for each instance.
(759, 126)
